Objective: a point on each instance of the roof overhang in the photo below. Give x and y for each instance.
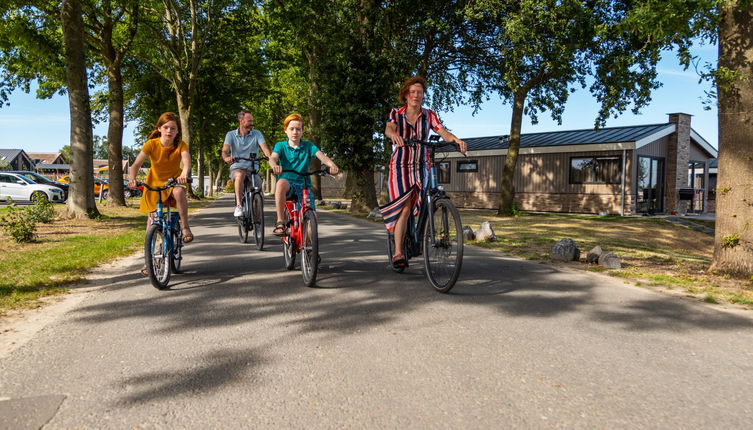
(704, 144)
(666, 131)
(556, 149)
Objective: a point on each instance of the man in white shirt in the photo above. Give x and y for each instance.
(243, 142)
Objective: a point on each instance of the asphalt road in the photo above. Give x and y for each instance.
(239, 342)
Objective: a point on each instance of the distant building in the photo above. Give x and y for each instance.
(15, 159)
(48, 157)
(655, 168)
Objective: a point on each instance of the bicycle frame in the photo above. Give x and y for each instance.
(169, 222)
(296, 211)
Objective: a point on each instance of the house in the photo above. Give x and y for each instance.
(15, 159)
(615, 170)
(48, 157)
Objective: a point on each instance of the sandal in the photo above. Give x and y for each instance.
(187, 235)
(279, 229)
(144, 271)
(399, 261)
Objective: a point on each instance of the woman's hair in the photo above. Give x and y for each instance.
(164, 118)
(409, 83)
(292, 117)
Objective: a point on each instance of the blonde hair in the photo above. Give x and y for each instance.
(292, 117)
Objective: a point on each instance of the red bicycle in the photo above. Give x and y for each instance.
(302, 236)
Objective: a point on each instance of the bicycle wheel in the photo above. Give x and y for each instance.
(391, 252)
(310, 251)
(157, 257)
(258, 208)
(443, 247)
(176, 257)
(242, 225)
(288, 246)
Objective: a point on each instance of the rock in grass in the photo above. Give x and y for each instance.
(594, 254)
(485, 232)
(609, 260)
(468, 233)
(565, 250)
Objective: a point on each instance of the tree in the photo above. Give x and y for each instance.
(733, 242)
(533, 53)
(111, 28)
(81, 199)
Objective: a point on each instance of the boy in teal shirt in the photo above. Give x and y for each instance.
(293, 154)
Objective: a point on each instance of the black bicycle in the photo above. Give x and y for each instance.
(252, 202)
(437, 233)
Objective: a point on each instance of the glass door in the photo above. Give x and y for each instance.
(650, 198)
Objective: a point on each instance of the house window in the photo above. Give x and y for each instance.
(595, 170)
(468, 166)
(443, 172)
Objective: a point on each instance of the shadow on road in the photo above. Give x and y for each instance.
(229, 284)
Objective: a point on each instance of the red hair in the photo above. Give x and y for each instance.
(409, 83)
(292, 117)
(162, 120)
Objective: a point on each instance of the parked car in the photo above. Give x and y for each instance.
(98, 184)
(39, 179)
(19, 188)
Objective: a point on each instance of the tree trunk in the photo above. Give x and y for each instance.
(733, 241)
(350, 185)
(200, 154)
(364, 193)
(314, 114)
(184, 112)
(81, 197)
(507, 184)
(115, 135)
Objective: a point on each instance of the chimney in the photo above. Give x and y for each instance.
(678, 156)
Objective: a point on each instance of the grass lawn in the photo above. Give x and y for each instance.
(653, 251)
(65, 250)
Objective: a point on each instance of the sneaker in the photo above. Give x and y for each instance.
(238, 211)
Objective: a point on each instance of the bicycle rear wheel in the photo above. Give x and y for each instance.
(443, 247)
(258, 208)
(288, 245)
(157, 256)
(242, 224)
(176, 257)
(310, 251)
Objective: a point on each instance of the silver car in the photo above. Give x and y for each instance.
(19, 188)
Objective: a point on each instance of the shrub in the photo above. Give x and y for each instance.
(18, 224)
(42, 211)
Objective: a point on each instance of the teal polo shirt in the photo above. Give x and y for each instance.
(298, 159)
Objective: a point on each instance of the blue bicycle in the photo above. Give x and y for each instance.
(163, 246)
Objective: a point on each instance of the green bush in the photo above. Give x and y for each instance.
(42, 211)
(18, 224)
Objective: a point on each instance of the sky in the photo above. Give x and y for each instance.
(43, 125)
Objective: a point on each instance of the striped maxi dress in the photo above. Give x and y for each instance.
(409, 167)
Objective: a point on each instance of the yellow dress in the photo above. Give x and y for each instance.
(165, 165)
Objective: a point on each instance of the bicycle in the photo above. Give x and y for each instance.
(301, 226)
(438, 237)
(163, 245)
(252, 202)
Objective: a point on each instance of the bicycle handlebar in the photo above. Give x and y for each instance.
(320, 172)
(252, 159)
(169, 184)
(432, 144)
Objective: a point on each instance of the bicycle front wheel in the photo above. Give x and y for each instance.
(310, 251)
(258, 208)
(443, 246)
(242, 225)
(157, 256)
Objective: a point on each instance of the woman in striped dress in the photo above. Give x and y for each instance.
(409, 164)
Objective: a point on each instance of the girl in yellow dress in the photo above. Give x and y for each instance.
(166, 152)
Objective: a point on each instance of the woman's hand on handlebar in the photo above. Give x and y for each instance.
(397, 140)
(182, 179)
(462, 147)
